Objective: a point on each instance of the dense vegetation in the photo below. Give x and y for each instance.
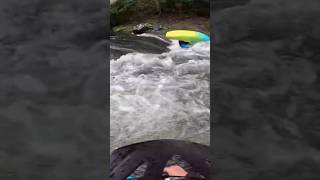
(123, 11)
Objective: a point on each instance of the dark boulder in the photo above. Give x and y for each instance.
(142, 28)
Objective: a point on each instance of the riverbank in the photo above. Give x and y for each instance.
(169, 22)
(160, 15)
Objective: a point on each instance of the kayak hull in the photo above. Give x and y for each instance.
(187, 36)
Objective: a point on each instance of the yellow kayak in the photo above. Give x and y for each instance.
(187, 36)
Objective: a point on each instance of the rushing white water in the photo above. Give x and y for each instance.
(161, 96)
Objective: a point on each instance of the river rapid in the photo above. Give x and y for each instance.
(158, 91)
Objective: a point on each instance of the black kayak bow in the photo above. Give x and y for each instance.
(155, 154)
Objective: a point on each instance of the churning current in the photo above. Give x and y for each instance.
(159, 95)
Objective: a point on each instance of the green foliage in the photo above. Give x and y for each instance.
(188, 3)
(121, 11)
(124, 11)
(122, 6)
(189, 6)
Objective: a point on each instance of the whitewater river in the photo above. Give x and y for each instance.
(158, 91)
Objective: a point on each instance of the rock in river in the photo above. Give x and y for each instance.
(142, 28)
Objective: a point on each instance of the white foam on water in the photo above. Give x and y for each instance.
(161, 96)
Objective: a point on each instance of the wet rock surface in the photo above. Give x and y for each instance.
(266, 91)
(52, 99)
(142, 28)
(123, 44)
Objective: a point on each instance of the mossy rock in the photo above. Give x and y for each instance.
(122, 29)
